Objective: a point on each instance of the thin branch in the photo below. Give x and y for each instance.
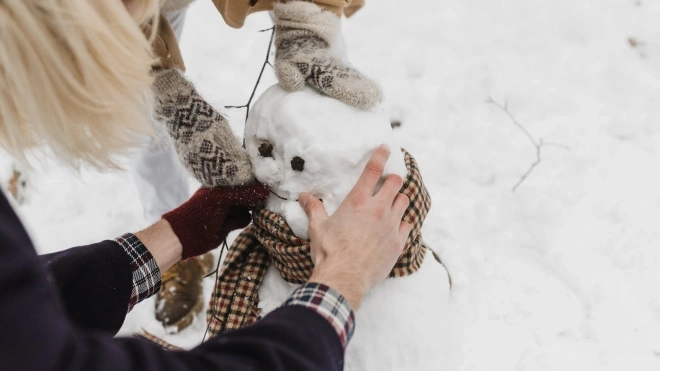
(512, 117)
(558, 145)
(210, 274)
(538, 145)
(217, 268)
(247, 106)
(257, 83)
(531, 168)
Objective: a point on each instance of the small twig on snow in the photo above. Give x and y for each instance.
(257, 83)
(538, 144)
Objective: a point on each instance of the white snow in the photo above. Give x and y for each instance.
(401, 323)
(334, 140)
(561, 274)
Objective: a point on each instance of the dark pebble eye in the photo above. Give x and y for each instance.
(265, 150)
(297, 164)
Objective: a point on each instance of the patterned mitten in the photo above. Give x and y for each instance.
(304, 35)
(202, 137)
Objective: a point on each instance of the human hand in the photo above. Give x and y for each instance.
(203, 222)
(354, 249)
(304, 36)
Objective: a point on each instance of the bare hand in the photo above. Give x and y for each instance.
(355, 248)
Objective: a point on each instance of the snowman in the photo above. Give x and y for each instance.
(306, 142)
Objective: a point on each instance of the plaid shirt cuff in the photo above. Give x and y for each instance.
(146, 276)
(329, 304)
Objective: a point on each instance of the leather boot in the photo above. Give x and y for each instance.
(181, 296)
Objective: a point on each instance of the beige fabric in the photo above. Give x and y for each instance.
(296, 19)
(353, 7)
(235, 12)
(165, 46)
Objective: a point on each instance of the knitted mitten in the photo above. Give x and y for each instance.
(304, 36)
(202, 137)
(205, 220)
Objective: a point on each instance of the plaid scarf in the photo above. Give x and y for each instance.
(234, 302)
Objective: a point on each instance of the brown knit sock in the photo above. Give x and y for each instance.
(202, 137)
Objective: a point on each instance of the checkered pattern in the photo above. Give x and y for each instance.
(150, 337)
(146, 277)
(325, 301)
(329, 304)
(234, 303)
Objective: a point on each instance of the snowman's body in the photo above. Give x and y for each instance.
(306, 142)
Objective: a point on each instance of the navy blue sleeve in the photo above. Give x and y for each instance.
(39, 333)
(95, 284)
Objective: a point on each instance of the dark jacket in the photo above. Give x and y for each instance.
(60, 311)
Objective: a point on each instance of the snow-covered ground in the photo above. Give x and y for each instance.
(561, 274)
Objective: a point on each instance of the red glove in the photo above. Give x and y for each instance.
(202, 222)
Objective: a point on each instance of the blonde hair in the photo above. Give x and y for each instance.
(75, 75)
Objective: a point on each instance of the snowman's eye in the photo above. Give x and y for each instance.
(265, 150)
(297, 164)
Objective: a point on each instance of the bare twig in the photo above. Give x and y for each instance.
(257, 83)
(538, 144)
(217, 268)
(247, 106)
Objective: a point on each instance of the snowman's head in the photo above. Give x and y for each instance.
(306, 142)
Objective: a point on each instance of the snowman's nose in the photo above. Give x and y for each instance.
(297, 164)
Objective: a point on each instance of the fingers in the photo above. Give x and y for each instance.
(372, 172)
(404, 231)
(312, 207)
(390, 188)
(401, 203)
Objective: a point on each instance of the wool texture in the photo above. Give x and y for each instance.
(305, 34)
(202, 222)
(234, 302)
(203, 140)
(235, 12)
